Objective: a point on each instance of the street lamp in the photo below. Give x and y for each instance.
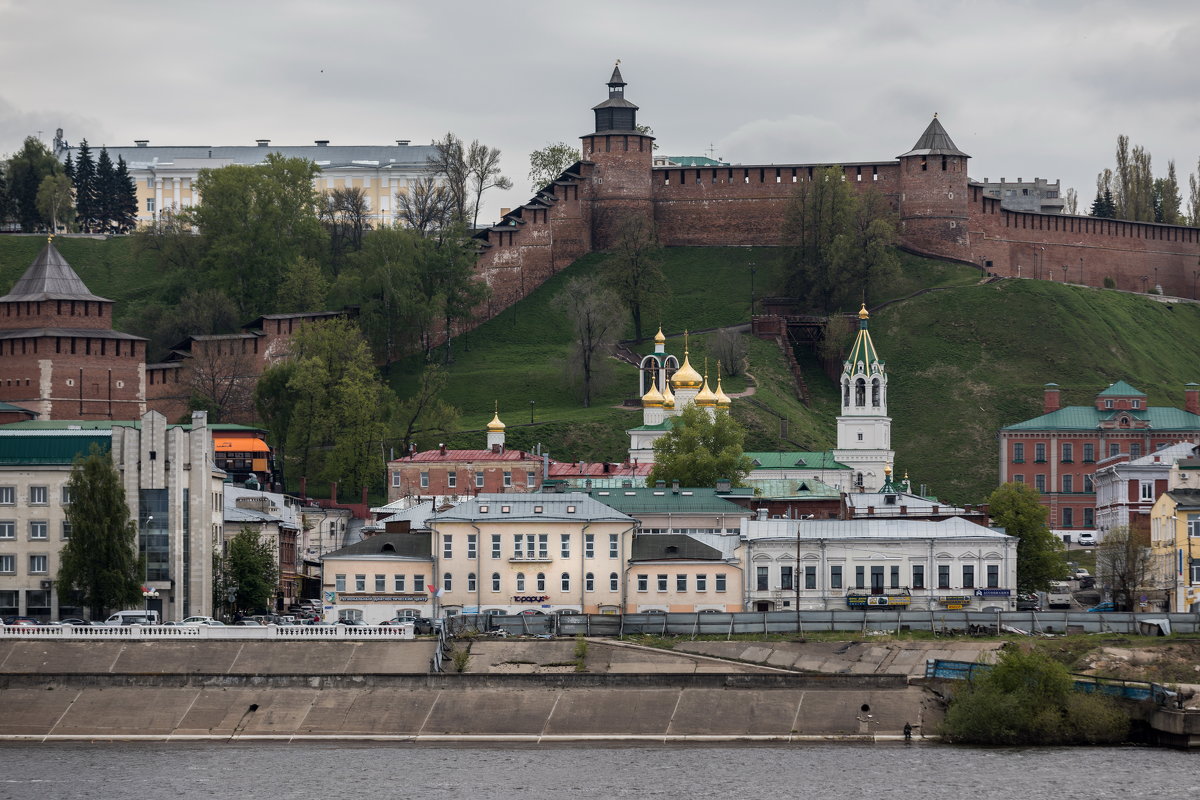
(1081, 269)
(1195, 275)
(1145, 280)
(532, 403)
(1064, 273)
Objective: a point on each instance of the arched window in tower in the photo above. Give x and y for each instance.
(846, 392)
(875, 393)
(860, 392)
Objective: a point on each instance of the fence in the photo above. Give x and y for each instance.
(1089, 684)
(215, 632)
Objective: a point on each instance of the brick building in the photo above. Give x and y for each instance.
(1126, 488)
(59, 354)
(1058, 452)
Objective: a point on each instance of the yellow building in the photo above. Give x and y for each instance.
(165, 175)
(1175, 548)
(554, 553)
(679, 573)
(379, 578)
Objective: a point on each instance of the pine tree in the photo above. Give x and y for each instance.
(125, 198)
(85, 188)
(105, 193)
(69, 168)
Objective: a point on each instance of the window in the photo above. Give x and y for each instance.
(614, 582)
(8, 564)
(763, 582)
(447, 545)
(894, 576)
(565, 545)
(8, 496)
(918, 576)
(1195, 573)
(943, 576)
(1088, 485)
(565, 582)
(968, 576)
(1039, 452)
(150, 205)
(37, 529)
(720, 583)
(1147, 489)
(66, 530)
(478, 479)
(495, 581)
(876, 579)
(398, 582)
(66, 495)
(701, 583)
(1068, 483)
(681, 583)
(643, 583)
(993, 576)
(860, 578)
(589, 545)
(785, 578)
(1135, 403)
(1019, 452)
(614, 542)
(472, 545)
(38, 565)
(508, 477)
(1018, 478)
(520, 581)
(1108, 403)
(1089, 453)
(38, 496)
(544, 545)
(360, 583)
(381, 583)
(530, 479)
(1089, 517)
(447, 581)
(395, 480)
(424, 479)
(339, 583)
(471, 586)
(541, 582)
(495, 545)
(452, 479)
(835, 576)
(661, 582)
(810, 577)
(419, 583)
(1114, 448)
(1039, 483)
(589, 582)
(1135, 450)
(1068, 452)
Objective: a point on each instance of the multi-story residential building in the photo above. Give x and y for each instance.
(1057, 452)
(1175, 550)
(276, 518)
(877, 563)
(173, 491)
(1127, 488)
(1038, 195)
(165, 175)
(545, 553)
(683, 572)
(381, 577)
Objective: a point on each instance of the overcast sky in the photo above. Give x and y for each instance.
(1026, 88)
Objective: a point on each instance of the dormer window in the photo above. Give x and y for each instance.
(672, 549)
(570, 509)
(537, 509)
(388, 548)
(505, 509)
(483, 509)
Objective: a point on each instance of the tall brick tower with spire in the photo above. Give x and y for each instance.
(933, 195)
(623, 159)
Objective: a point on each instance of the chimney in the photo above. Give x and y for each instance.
(762, 514)
(141, 142)
(660, 484)
(1051, 400)
(442, 448)
(675, 487)
(262, 142)
(724, 484)
(321, 142)
(1191, 398)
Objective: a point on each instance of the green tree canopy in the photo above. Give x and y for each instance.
(594, 312)
(547, 164)
(699, 451)
(27, 168)
(250, 570)
(1016, 508)
(55, 201)
(100, 561)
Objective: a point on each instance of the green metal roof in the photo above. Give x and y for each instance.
(792, 489)
(1079, 418)
(102, 425)
(863, 350)
(666, 425)
(665, 500)
(11, 407)
(17, 450)
(795, 459)
(1121, 389)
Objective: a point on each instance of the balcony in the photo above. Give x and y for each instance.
(530, 558)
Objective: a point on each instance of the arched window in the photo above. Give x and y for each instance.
(846, 392)
(565, 583)
(613, 582)
(860, 392)
(495, 581)
(447, 582)
(589, 582)
(541, 581)
(520, 581)
(875, 392)
(470, 581)
(858, 481)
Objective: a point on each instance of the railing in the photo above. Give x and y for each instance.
(1117, 687)
(215, 632)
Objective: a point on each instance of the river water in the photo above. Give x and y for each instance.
(920, 771)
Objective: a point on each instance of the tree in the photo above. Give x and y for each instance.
(199, 312)
(547, 164)
(221, 380)
(1015, 507)
(125, 206)
(425, 413)
(249, 570)
(1123, 564)
(85, 188)
(304, 287)
(100, 561)
(729, 347)
(448, 284)
(426, 206)
(594, 313)
(382, 280)
(635, 269)
(346, 215)
(483, 167)
(1167, 201)
(55, 200)
(449, 161)
(106, 200)
(5, 201)
(27, 168)
(1193, 215)
(1071, 205)
(699, 451)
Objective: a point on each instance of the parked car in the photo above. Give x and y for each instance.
(1087, 539)
(1029, 602)
(249, 623)
(1080, 574)
(1102, 607)
(74, 621)
(21, 621)
(424, 625)
(351, 622)
(201, 621)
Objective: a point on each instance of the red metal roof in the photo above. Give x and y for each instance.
(572, 468)
(437, 456)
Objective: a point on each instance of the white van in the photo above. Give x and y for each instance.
(138, 616)
(1058, 595)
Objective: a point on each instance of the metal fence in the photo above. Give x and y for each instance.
(767, 622)
(1089, 684)
(214, 632)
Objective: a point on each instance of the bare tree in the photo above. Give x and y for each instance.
(1072, 202)
(635, 269)
(595, 315)
(1123, 564)
(345, 213)
(426, 207)
(729, 346)
(483, 167)
(221, 378)
(449, 161)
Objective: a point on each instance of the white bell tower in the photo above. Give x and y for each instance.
(864, 429)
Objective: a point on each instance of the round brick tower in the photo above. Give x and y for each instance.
(933, 195)
(623, 158)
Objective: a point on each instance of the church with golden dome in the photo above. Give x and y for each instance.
(667, 388)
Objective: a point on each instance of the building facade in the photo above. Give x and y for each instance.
(864, 429)
(1039, 195)
(671, 572)
(1175, 549)
(1126, 489)
(1058, 452)
(379, 578)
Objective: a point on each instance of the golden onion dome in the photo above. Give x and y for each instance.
(863, 313)
(706, 398)
(659, 338)
(496, 425)
(652, 398)
(686, 376)
(722, 398)
(668, 397)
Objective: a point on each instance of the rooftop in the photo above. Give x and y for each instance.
(565, 507)
(795, 459)
(666, 500)
(672, 547)
(953, 528)
(385, 545)
(1161, 418)
(49, 277)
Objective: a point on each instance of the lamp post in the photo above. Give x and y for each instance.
(532, 403)
(1195, 275)
(1064, 273)
(1145, 280)
(147, 592)
(753, 271)
(1081, 269)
